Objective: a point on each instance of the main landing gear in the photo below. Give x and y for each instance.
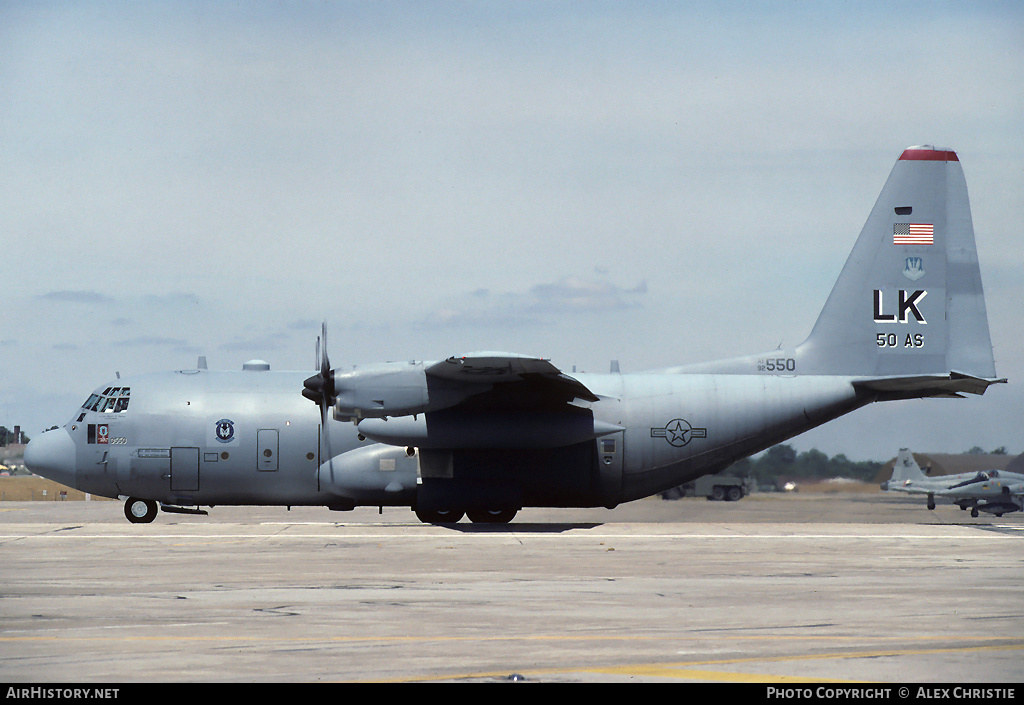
(479, 516)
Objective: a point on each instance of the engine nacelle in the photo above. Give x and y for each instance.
(373, 475)
(392, 389)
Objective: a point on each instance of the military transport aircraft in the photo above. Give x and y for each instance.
(994, 491)
(487, 434)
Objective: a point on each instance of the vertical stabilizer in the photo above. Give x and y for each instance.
(905, 468)
(909, 300)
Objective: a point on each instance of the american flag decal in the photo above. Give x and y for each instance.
(912, 233)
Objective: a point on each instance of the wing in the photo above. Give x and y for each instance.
(503, 380)
(494, 400)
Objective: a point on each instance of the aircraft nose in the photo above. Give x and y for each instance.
(52, 455)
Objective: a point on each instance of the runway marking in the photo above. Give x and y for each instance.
(264, 639)
(718, 676)
(517, 536)
(683, 670)
(686, 669)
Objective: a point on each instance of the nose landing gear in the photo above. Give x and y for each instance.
(140, 511)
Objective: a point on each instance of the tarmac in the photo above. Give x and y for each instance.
(773, 589)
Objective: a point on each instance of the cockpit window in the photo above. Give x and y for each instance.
(113, 400)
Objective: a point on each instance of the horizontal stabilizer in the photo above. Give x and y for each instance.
(950, 385)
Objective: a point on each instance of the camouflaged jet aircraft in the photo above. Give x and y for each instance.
(487, 434)
(993, 491)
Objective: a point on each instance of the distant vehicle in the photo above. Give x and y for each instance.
(720, 488)
(993, 491)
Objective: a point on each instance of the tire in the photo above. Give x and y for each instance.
(491, 516)
(439, 516)
(718, 493)
(733, 494)
(140, 511)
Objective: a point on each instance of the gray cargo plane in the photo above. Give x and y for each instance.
(993, 491)
(484, 435)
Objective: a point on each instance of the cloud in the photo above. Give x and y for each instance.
(151, 340)
(76, 297)
(256, 344)
(541, 305)
(572, 295)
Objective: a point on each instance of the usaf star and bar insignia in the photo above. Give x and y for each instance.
(678, 432)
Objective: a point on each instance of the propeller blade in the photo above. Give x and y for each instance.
(326, 433)
(325, 362)
(320, 389)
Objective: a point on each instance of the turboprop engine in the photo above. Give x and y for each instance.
(411, 388)
(380, 391)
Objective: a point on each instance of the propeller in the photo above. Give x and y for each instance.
(320, 389)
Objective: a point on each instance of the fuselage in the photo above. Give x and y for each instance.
(983, 485)
(486, 434)
(201, 437)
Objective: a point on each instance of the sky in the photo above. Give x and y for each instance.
(657, 183)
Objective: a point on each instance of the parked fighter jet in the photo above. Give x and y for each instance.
(994, 491)
(486, 434)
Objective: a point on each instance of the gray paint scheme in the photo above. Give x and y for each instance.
(489, 433)
(994, 491)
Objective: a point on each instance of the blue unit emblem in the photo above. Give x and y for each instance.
(913, 269)
(225, 430)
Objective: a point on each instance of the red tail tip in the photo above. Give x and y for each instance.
(928, 153)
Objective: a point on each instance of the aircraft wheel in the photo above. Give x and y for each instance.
(974, 511)
(718, 493)
(491, 516)
(439, 516)
(140, 511)
(734, 494)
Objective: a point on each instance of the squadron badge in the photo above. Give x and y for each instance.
(225, 430)
(914, 268)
